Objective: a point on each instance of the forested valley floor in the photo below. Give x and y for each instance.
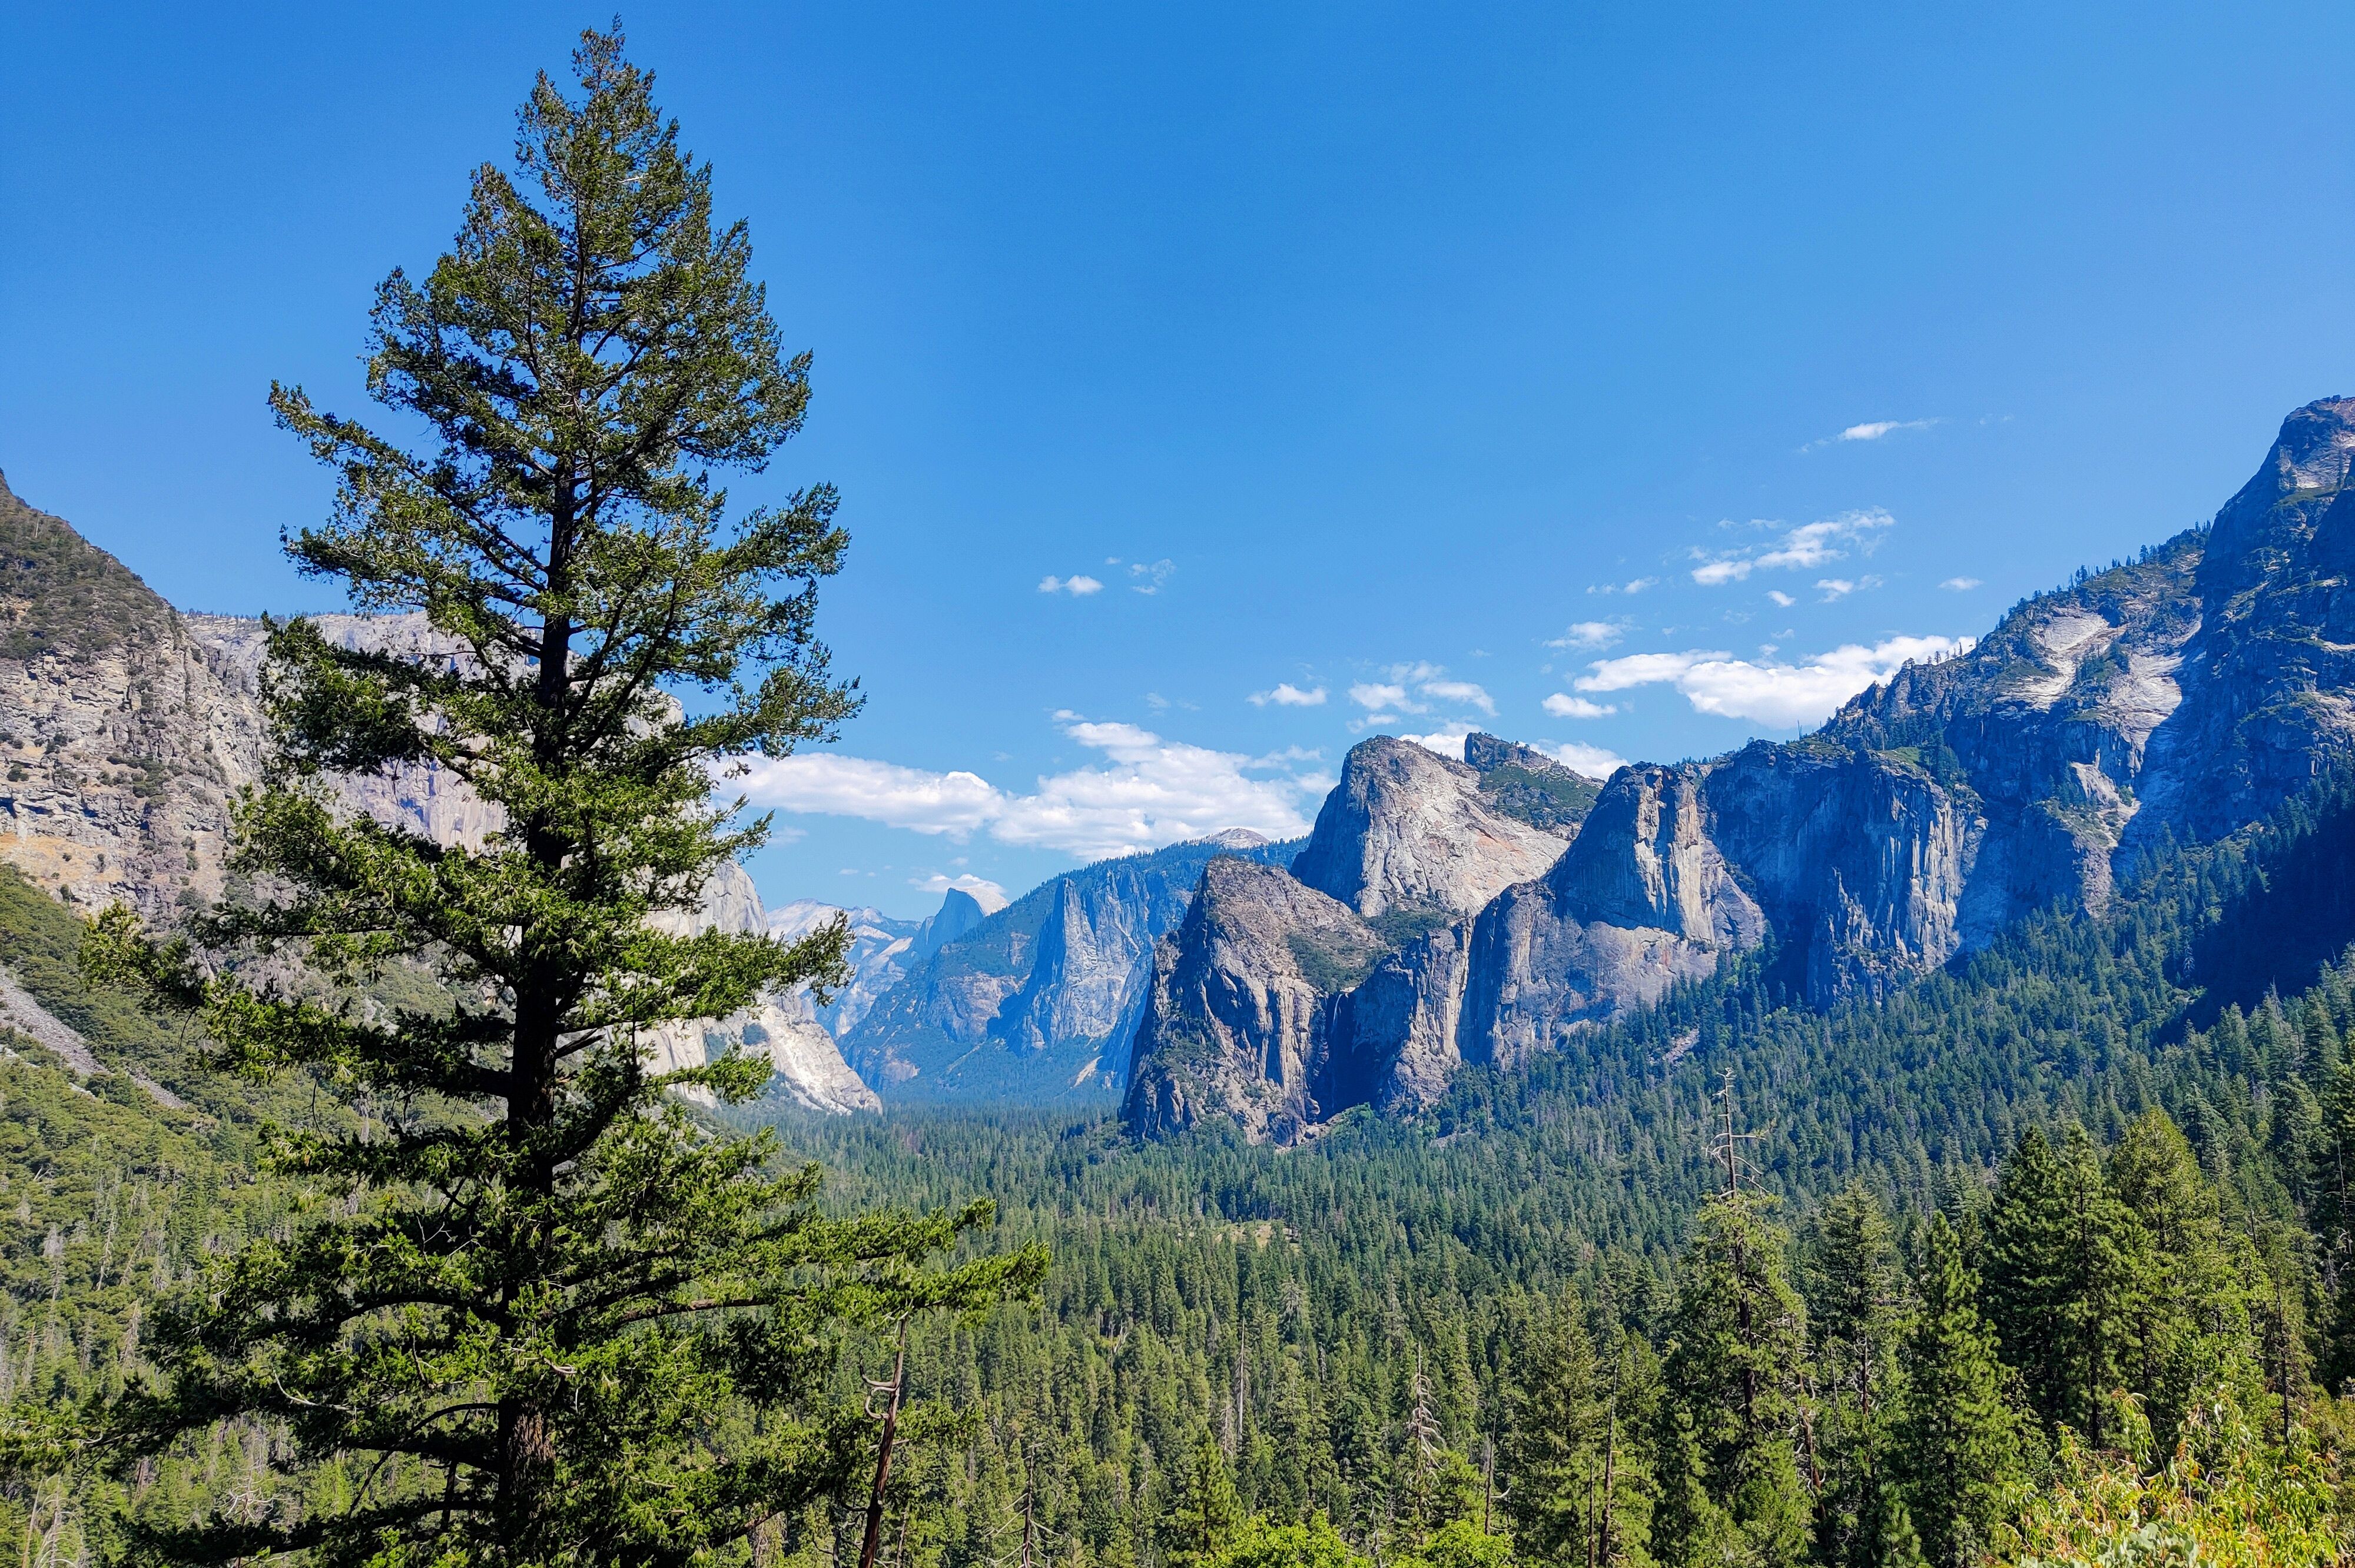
(2039, 1251)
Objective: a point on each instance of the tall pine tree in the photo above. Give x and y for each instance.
(2064, 1274)
(1855, 1295)
(1730, 1465)
(1956, 1439)
(532, 1313)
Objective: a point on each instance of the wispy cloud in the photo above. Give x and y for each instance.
(1871, 430)
(1786, 696)
(1562, 704)
(1465, 694)
(1149, 576)
(1078, 585)
(1960, 585)
(1587, 634)
(1781, 599)
(1147, 792)
(1637, 586)
(1809, 545)
(1592, 761)
(1840, 587)
(1287, 695)
(991, 895)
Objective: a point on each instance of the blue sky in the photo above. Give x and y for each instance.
(1378, 353)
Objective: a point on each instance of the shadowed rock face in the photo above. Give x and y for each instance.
(2188, 692)
(1039, 1000)
(1284, 997)
(1237, 1022)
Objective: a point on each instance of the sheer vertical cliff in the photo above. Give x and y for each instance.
(2185, 693)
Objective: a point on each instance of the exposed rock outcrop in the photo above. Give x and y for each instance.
(1240, 1017)
(1284, 997)
(1409, 832)
(1038, 1001)
(2186, 694)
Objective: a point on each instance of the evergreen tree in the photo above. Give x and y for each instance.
(2064, 1274)
(1955, 1440)
(1737, 1351)
(1854, 1289)
(1576, 1471)
(2191, 1328)
(535, 1313)
(1204, 1520)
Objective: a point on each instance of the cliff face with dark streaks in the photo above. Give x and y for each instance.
(2187, 693)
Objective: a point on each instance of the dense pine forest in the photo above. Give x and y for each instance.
(2083, 1196)
(355, 1222)
(2056, 1235)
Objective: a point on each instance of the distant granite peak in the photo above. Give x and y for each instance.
(1407, 831)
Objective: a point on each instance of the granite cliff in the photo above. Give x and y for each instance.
(2185, 693)
(1271, 1001)
(127, 727)
(1037, 1001)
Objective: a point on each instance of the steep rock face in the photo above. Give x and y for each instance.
(1039, 1000)
(1407, 840)
(1238, 1019)
(882, 950)
(1856, 860)
(2187, 692)
(123, 737)
(1407, 831)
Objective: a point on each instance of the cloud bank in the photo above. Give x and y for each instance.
(1147, 792)
(1785, 695)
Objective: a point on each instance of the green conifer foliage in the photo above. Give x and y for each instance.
(533, 1313)
(2065, 1271)
(1573, 1457)
(1204, 1520)
(2192, 1330)
(1737, 1354)
(1956, 1439)
(1856, 1299)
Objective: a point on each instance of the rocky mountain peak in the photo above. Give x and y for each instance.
(1407, 830)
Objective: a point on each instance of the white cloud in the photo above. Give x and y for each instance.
(1586, 634)
(1461, 691)
(1639, 586)
(1287, 695)
(1785, 695)
(1781, 599)
(1960, 585)
(1874, 429)
(1447, 739)
(1809, 545)
(1640, 670)
(1835, 587)
(1377, 694)
(1148, 792)
(1562, 704)
(1078, 585)
(990, 895)
(1150, 575)
(1591, 760)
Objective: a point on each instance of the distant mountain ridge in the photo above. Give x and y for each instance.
(2184, 694)
(1036, 1002)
